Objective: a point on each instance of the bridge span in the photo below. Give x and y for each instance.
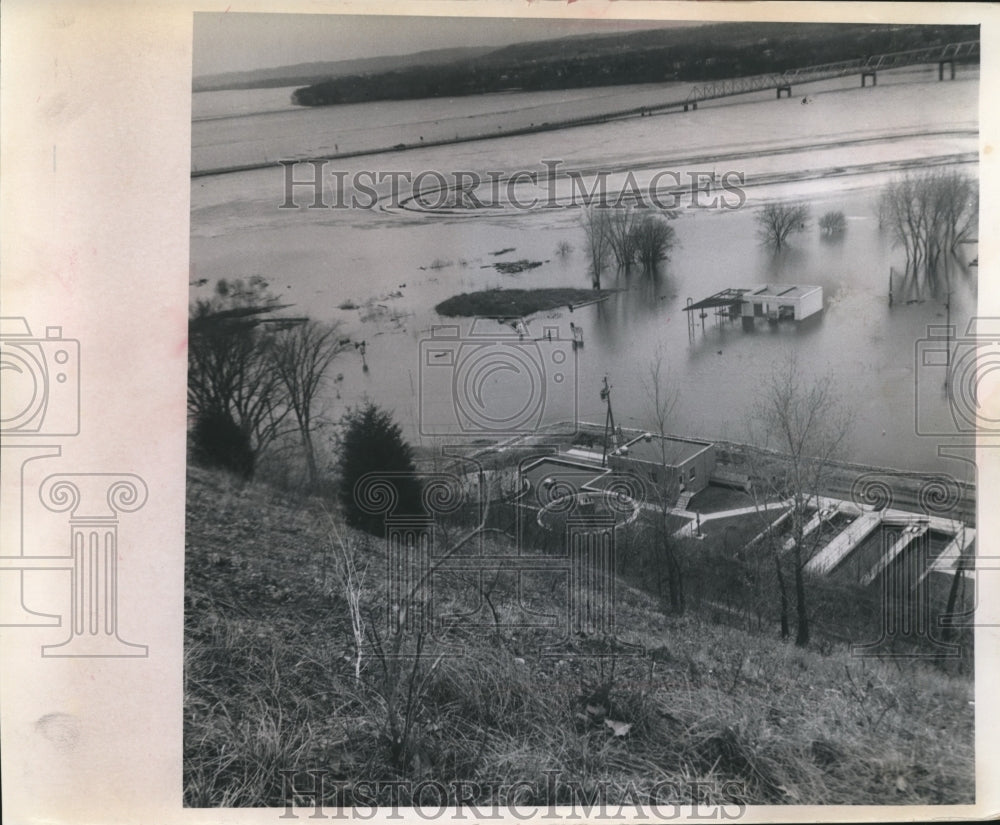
(867, 67)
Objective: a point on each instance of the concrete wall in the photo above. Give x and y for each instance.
(809, 304)
(803, 305)
(666, 481)
(702, 464)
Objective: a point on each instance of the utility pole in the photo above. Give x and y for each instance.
(609, 419)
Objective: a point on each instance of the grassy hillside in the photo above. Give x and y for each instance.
(270, 684)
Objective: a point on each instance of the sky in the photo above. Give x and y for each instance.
(237, 42)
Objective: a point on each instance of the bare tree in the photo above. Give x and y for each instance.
(661, 398)
(653, 238)
(621, 227)
(597, 226)
(798, 429)
(776, 221)
(230, 372)
(929, 214)
(301, 356)
(833, 223)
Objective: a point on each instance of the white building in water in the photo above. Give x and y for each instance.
(775, 302)
(782, 302)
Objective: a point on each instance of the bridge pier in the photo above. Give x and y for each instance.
(941, 65)
(786, 89)
(864, 77)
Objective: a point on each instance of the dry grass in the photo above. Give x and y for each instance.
(270, 685)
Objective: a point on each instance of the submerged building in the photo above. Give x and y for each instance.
(775, 302)
(782, 302)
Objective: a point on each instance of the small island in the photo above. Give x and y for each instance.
(517, 303)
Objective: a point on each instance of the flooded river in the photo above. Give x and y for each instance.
(380, 272)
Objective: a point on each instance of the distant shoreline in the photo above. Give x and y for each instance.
(659, 109)
(549, 126)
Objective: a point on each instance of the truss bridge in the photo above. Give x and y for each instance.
(945, 56)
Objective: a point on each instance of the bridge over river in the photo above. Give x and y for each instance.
(946, 56)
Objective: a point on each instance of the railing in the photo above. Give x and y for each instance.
(880, 62)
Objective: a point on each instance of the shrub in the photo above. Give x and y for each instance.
(218, 441)
(370, 442)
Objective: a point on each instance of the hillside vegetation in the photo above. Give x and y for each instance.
(702, 53)
(274, 681)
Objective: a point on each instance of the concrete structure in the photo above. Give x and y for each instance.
(672, 465)
(782, 302)
(775, 302)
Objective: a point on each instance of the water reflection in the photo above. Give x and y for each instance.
(867, 346)
(787, 264)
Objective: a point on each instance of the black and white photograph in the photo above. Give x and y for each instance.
(581, 414)
(498, 409)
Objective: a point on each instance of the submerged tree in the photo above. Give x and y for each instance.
(833, 223)
(622, 223)
(653, 238)
(929, 214)
(776, 221)
(628, 235)
(597, 227)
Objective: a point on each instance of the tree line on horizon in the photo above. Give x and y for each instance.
(692, 54)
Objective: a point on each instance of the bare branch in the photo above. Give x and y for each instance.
(776, 221)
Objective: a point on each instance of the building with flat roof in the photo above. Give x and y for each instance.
(671, 464)
(782, 302)
(775, 302)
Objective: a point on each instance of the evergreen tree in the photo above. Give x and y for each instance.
(371, 442)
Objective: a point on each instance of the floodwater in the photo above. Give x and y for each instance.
(279, 129)
(381, 271)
